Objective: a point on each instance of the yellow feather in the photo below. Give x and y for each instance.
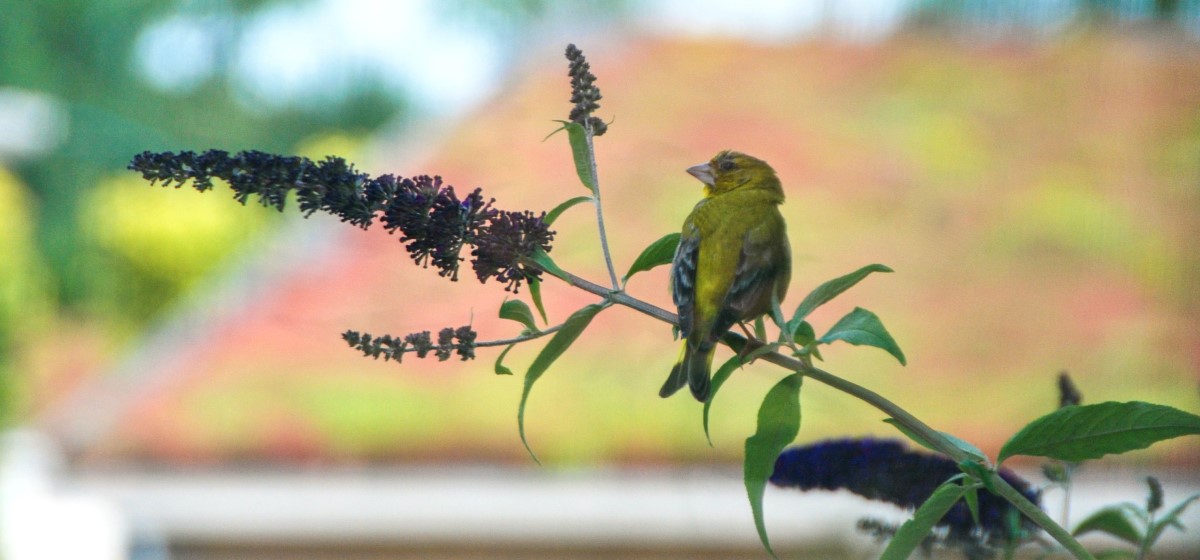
(738, 256)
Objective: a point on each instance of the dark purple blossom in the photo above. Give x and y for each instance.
(434, 223)
(585, 96)
(881, 469)
(504, 243)
(450, 341)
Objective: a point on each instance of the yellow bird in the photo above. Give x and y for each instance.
(733, 259)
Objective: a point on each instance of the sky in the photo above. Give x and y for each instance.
(301, 51)
(306, 52)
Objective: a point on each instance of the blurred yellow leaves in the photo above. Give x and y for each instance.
(165, 234)
(22, 297)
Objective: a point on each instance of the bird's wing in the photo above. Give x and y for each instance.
(764, 263)
(683, 276)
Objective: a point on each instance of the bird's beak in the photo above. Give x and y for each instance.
(702, 172)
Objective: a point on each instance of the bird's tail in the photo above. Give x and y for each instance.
(692, 370)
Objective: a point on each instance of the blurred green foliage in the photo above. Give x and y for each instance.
(80, 55)
(80, 235)
(23, 298)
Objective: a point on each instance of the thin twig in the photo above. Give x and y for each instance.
(522, 338)
(612, 272)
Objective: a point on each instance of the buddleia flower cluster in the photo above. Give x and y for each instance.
(584, 93)
(882, 469)
(460, 341)
(435, 224)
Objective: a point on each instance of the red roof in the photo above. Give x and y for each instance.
(1036, 201)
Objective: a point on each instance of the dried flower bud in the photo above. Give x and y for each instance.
(585, 96)
(419, 342)
(445, 344)
(460, 341)
(1155, 500)
(466, 342)
(1068, 395)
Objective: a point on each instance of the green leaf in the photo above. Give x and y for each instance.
(803, 335)
(760, 328)
(1112, 520)
(830, 290)
(560, 128)
(778, 424)
(963, 445)
(571, 329)
(909, 536)
(718, 379)
(543, 260)
(516, 310)
(1170, 519)
(501, 369)
(971, 497)
(535, 293)
(777, 314)
(658, 253)
(582, 154)
(861, 327)
(553, 214)
(1080, 432)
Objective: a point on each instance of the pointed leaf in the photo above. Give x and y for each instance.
(961, 444)
(658, 253)
(581, 153)
(1111, 520)
(909, 536)
(777, 314)
(971, 497)
(561, 128)
(861, 327)
(517, 310)
(543, 260)
(535, 293)
(1080, 432)
(803, 336)
(778, 424)
(501, 369)
(718, 379)
(1170, 519)
(558, 210)
(803, 333)
(572, 328)
(830, 290)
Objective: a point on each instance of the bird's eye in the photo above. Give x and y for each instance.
(726, 165)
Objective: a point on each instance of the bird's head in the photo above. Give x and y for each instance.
(729, 171)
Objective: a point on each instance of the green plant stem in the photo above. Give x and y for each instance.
(872, 398)
(517, 339)
(1066, 508)
(612, 272)
(1144, 546)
